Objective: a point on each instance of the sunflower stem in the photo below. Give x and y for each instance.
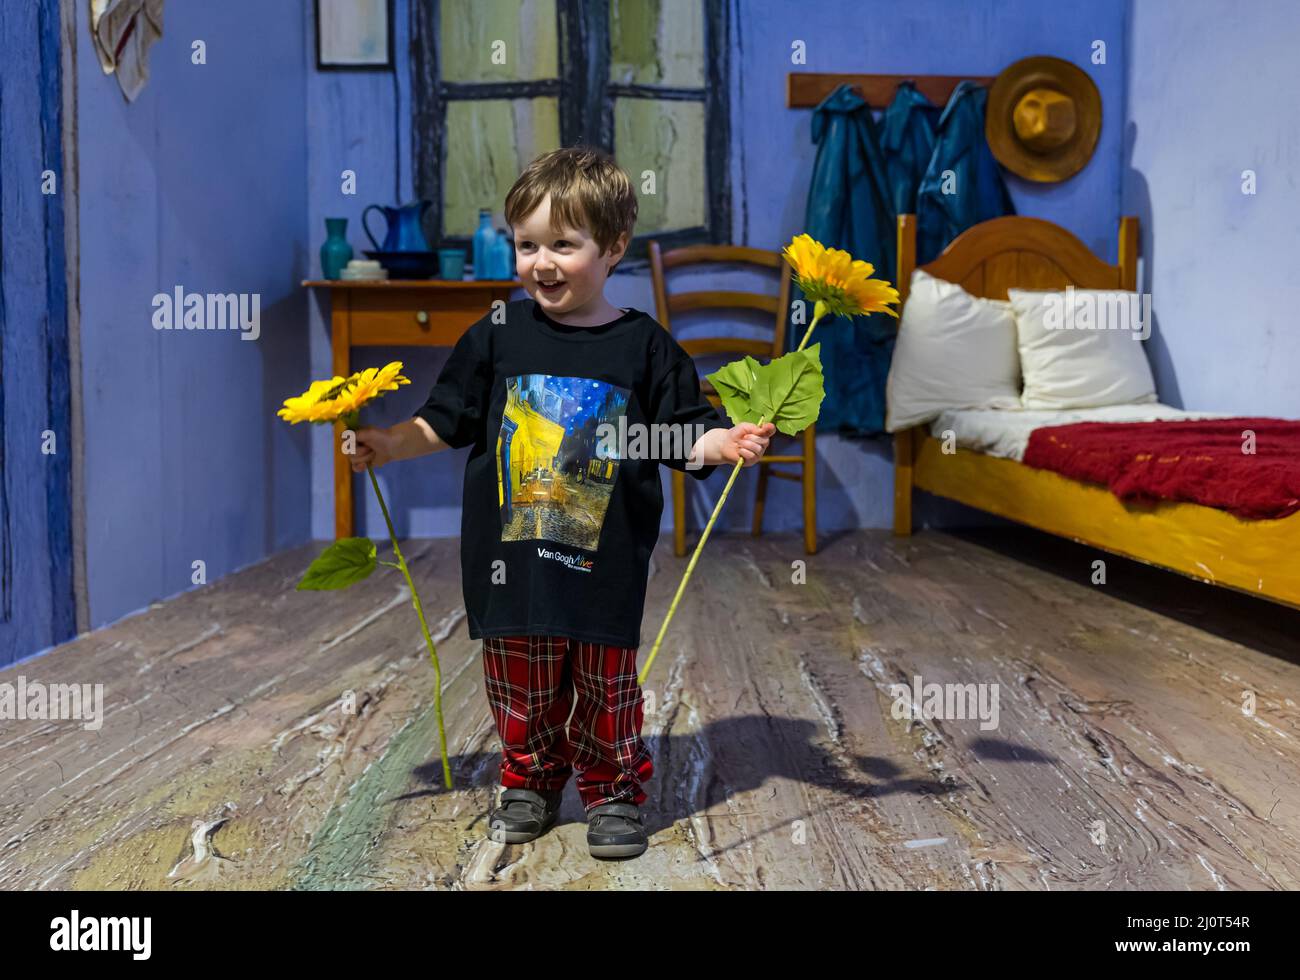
(818, 312)
(672, 608)
(419, 611)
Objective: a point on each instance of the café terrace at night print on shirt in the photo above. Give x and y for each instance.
(554, 474)
(557, 529)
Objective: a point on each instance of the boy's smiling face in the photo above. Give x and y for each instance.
(564, 271)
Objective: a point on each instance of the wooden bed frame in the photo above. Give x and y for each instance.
(1205, 543)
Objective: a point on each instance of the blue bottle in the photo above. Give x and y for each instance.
(484, 242)
(494, 258)
(502, 255)
(508, 255)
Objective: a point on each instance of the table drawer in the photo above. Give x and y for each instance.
(416, 316)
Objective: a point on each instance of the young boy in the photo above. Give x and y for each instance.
(562, 501)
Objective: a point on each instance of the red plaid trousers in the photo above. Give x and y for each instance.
(533, 682)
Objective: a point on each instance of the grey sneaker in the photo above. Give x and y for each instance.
(523, 815)
(615, 830)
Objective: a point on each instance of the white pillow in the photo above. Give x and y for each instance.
(1081, 348)
(954, 350)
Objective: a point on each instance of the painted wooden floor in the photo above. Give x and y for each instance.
(1122, 758)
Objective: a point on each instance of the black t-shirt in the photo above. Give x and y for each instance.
(561, 505)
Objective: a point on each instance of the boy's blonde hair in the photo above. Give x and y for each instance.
(588, 190)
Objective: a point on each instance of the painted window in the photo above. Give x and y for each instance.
(497, 82)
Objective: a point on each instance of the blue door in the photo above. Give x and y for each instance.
(36, 597)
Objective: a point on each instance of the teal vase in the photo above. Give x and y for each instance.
(336, 252)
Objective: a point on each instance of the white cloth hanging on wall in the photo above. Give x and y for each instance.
(123, 31)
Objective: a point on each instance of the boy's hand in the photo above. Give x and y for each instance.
(746, 441)
(374, 446)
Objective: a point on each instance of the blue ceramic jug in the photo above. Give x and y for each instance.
(405, 233)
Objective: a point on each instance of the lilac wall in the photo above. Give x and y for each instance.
(198, 183)
(360, 121)
(1211, 93)
(774, 158)
(352, 118)
(219, 177)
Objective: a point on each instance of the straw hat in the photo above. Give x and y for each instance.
(1043, 118)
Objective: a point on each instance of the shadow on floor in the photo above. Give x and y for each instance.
(1258, 624)
(745, 773)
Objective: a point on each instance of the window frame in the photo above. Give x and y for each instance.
(585, 97)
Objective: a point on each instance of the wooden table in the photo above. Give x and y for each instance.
(397, 312)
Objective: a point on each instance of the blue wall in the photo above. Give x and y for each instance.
(198, 183)
(352, 117)
(360, 121)
(775, 155)
(1212, 92)
(219, 177)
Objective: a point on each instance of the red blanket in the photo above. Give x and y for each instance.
(1197, 460)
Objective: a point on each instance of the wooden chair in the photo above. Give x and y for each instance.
(777, 306)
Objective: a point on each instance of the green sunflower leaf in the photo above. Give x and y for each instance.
(733, 383)
(346, 561)
(790, 390)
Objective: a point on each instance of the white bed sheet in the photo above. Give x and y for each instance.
(1005, 432)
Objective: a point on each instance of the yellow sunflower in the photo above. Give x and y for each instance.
(342, 398)
(836, 282)
(319, 403)
(373, 382)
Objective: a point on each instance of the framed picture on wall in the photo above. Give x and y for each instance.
(354, 34)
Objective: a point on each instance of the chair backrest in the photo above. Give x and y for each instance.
(666, 303)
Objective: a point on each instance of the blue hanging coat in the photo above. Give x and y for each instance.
(977, 191)
(849, 207)
(907, 136)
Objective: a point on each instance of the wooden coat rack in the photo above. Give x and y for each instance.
(806, 89)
